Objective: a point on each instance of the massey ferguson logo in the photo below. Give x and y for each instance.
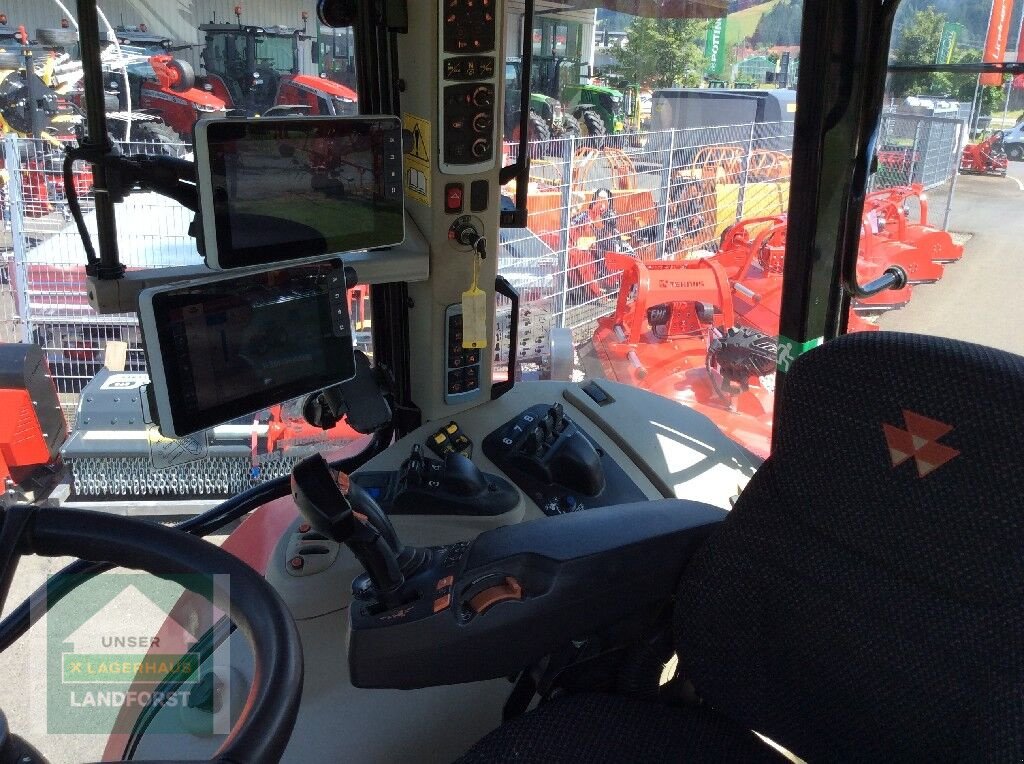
(669, 284)
(150, 94)
(920, 442)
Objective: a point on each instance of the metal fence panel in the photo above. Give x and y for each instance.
(46, 300)
(918, 149)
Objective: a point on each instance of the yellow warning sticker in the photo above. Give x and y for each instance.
(417, 159)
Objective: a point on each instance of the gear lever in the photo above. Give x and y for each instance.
(343, 511)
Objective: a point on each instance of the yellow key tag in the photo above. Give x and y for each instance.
(474, 313)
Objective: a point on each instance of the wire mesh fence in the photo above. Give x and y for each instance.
(916, 149)
(44, 298)
(655, 196)
(659, 195)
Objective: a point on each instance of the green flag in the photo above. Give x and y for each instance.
(947, 45)
(714, 46)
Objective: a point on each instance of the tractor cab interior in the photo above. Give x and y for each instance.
(811, 554)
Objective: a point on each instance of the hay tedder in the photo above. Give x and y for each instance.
(674, 332)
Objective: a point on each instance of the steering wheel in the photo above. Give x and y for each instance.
(268, 717)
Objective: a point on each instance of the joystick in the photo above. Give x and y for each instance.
(341, 510)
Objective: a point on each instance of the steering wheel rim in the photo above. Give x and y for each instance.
(265, 723)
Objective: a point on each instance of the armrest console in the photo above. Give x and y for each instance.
(492, 607)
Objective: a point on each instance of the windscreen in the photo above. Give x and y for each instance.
(235, 345)
(284, 189)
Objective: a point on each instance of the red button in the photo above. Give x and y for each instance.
(453, 198)
(304, 528)
(296, 562)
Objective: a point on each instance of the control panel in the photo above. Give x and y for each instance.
(462, 365)
(450, 439)
(469, 86)
(555, 463)
(449, 486)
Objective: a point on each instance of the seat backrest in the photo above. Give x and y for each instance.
(865, 598)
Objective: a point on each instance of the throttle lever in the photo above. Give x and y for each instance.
(323, 497)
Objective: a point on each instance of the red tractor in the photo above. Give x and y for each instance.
(248, 68)
(985, 158)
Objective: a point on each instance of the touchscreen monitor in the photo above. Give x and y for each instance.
(276, 189)
(226, 346)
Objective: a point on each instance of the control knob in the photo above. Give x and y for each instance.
(483, 96)
(479, 148)
(482, 123)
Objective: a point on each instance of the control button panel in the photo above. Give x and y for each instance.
(393, 164)
(558, 465)
(469, 85)
(462, 365)
(464, 68)
(337, 298)
(468, 25)
(450, 439)
(309, 552)
(435, 584)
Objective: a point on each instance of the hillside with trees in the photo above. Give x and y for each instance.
(781, 25)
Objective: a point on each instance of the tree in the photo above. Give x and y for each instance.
(662, 53)
(781, 25)
(918, 43)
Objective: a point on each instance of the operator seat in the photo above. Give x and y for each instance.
(864, 600)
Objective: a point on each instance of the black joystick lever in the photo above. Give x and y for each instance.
(340, 509)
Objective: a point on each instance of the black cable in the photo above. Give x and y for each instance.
(69, 578)
(71, 193)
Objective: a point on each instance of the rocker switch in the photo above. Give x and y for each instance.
(453, 198)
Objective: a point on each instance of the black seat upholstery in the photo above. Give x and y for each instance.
(864, 601)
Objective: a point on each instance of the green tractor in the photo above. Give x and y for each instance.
(560, 106)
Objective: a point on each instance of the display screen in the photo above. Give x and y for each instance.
(232, 346)
(291, 188)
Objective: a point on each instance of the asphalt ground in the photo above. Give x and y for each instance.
(980, 298)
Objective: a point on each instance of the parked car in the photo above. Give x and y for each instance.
(1013, 142)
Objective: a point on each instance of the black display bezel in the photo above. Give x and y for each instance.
(386, 141)
(339, 352)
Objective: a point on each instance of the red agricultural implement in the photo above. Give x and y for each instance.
(753, 252)
(894, 212)
(878, 252)
(673, 332)
(985, 158)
